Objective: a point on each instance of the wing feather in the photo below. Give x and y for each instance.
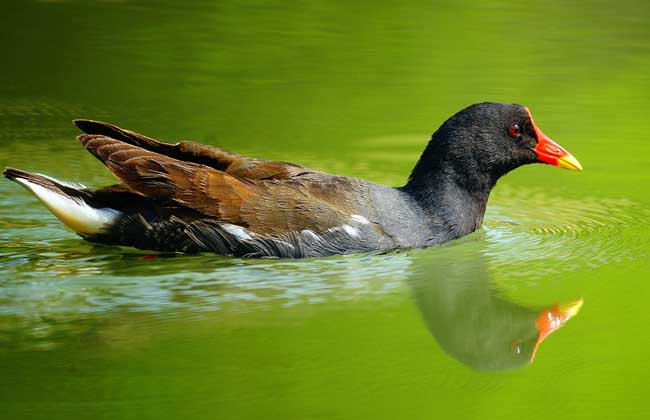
(268, 206)
(188, 151)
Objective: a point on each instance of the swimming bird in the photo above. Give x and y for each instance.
(190, 197)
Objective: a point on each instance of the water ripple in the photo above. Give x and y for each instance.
(531, 235)
(49, 276)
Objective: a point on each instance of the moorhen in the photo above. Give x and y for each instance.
(190, 197)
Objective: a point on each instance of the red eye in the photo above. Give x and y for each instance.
(514, 131)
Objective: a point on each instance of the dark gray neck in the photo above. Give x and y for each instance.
(454, 203)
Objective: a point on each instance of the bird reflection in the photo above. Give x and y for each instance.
(471, 321)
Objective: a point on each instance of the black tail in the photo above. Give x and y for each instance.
(59, 187)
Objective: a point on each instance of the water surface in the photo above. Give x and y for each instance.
(90, 331)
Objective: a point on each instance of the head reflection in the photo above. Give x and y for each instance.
(471, 321)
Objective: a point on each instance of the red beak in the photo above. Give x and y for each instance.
(551, 319)
(552, 153)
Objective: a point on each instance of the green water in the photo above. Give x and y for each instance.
(352, 88)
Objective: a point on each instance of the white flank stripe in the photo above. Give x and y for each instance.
(352, 231)
(360, 219)
(310, 234)
(238, 231)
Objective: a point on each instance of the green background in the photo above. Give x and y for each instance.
(353, 88)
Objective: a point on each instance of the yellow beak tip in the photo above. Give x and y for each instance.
(570, 309)
(569, 162)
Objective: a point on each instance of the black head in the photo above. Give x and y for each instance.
(484, 141)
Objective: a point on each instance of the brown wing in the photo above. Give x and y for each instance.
(188, 151)
(265, 206)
